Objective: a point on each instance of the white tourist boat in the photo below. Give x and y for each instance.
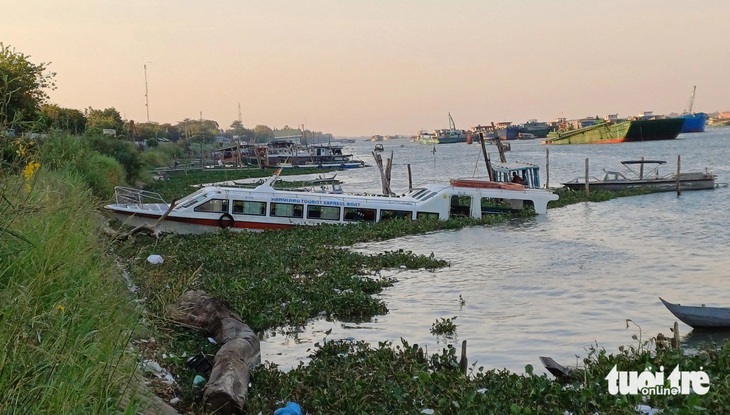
(264, 207)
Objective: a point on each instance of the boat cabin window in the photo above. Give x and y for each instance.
(323, 212)
(360, 214)
(194, 199)
(427, 215)
(395, 214)
(287, 210)
(460, 206)
(492, 205)
(245, 207)
(213, 205)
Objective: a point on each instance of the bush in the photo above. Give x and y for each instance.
(125, 152)
(102, 173)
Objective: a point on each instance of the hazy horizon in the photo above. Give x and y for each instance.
(359, 68)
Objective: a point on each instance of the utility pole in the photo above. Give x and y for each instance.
(146, 95)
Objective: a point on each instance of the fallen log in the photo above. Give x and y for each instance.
(226, 390)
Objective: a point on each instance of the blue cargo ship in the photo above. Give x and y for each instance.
(694, 123)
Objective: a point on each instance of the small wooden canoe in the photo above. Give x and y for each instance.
(700, 317)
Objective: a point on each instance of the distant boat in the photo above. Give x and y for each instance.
(630, 178)
(700, 317)
(443, 136)
(619, 132)
(694, 122)
(533, 129)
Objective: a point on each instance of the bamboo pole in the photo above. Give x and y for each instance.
(410, 178)
(486, 156)
(679, 191)
(588, 191)
(547, 167)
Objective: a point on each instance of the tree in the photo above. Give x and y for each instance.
(22, 85)
(263, 133)
(54, 117)
(98, 120)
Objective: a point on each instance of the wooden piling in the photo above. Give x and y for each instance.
(547, 167)
(679, 191)
(676, 335)
(463, 362)
(588, 191)
(410, 178)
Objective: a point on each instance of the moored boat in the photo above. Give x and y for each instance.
(533, 129)
(619, 132)
(265, 207)
(630, 178)
(700, 317)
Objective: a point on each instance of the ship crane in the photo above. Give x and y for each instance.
(692, 99)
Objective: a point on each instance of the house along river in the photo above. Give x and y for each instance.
(552, 285)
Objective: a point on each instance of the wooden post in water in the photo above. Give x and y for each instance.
(588, 191)
(498, 143)
(463, 362)
(486, 156)
(641, 169)
(547, 167)
(679, 191)
(676, 335)
(410, 178)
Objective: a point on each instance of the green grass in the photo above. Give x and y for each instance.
(65, 320)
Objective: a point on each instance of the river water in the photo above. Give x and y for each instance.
(552, 285)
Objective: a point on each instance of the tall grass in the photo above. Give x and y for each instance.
(65, 321)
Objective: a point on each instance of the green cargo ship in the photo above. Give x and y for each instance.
(619, 132)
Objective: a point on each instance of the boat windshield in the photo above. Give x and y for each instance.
(192, 199)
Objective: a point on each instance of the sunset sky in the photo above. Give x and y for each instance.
(359, 68)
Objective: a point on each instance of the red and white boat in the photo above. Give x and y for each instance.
(264, 207)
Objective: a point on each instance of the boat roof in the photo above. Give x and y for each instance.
(643, 162)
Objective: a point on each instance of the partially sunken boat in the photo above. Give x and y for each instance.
(265, 207)
(619, 132)
(645, 174)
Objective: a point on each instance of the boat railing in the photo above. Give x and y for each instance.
(131, 196)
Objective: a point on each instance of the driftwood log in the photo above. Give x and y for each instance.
(226, 390)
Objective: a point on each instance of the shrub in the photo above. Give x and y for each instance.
(102, 173)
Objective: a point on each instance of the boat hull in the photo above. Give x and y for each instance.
(694, 123)
(626, 131)
(700, 317)
(687, 181)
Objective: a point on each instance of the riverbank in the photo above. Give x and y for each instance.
(65, 306)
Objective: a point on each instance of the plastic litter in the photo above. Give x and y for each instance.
(198, 380)
(155, 259)
(291, 408)
(199, 363)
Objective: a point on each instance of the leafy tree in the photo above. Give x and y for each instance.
(198, 130)
(97, 120)
(171, 132)
(70, 120)
(263, 133)
(22, 85)
(239, 131)
(148, 130)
